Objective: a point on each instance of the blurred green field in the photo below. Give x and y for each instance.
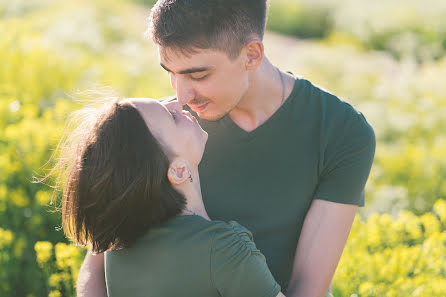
(385, 57)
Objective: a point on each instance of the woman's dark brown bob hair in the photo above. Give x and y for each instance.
(114, 178)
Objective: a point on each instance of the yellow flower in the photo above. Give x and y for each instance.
(66, 255)
(19, 198)
(43, 198)
(55, 280)
(54, 294)
(44, 251)
(6, 238)
(440, 210)
(430, 223)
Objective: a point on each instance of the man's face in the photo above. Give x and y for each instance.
(208, 81)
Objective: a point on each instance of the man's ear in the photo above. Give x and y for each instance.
(254, 51)
(178, 172)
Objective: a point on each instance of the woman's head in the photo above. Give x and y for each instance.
(114, 169)
(178, 131)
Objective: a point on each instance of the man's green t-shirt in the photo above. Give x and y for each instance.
(315, 146)
(191, 257)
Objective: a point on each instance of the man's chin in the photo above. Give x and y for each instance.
(210, 117)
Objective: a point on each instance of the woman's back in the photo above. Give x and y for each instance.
(190, 256)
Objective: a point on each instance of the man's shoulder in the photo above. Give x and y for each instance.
(334, 117)
(329, 106)
(319, 95)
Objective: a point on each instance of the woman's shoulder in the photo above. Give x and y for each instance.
(219, 228)
(219, 234)
(233, 228)
(215, 229)
(196, 230)
(232, 236)
(238, 268)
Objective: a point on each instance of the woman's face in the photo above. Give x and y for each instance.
(177, 130)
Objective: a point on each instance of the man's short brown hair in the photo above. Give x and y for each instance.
(226, 25)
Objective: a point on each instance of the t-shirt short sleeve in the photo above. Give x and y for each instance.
(347, 157)
(238, 268)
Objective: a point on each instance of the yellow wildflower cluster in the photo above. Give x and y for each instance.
(60, 265)
(50, 49)
(401, 257)
(44, 251)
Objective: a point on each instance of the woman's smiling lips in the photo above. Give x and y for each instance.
(190, 116)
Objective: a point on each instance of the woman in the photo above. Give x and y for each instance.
(132, 190)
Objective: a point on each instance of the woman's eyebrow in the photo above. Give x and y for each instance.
(169, 112)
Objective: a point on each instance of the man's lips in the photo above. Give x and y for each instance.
(199, 107)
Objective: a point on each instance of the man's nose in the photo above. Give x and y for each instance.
(185, 91)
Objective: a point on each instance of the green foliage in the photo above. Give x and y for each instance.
(414, 28)
(146, 2)
(299, 18)
(399, 257)
(49, 50)
(6, 260)
(28, 135)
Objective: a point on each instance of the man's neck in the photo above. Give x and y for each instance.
(264, 97)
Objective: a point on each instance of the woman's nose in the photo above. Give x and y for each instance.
(174, 105)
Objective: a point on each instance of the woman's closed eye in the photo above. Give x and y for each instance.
(174, 114)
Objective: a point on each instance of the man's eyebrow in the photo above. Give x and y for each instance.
(187, 71)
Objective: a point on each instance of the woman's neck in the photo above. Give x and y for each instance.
(192, 193)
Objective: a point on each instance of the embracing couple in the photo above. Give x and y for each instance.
(244, 184)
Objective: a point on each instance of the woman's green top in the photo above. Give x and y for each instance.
(191, 257)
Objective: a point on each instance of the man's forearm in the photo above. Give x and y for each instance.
(294, 290)
(321, 242)
(91, 280)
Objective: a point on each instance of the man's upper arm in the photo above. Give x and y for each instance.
(346, 159)
(322, 240)
(91, 279)
(346, 154)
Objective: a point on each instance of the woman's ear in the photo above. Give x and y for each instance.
(178, 172)
(254, 51)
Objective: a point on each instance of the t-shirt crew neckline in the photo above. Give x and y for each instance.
(185, 217)
(241, 134)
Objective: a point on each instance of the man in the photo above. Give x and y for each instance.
(284, 158)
